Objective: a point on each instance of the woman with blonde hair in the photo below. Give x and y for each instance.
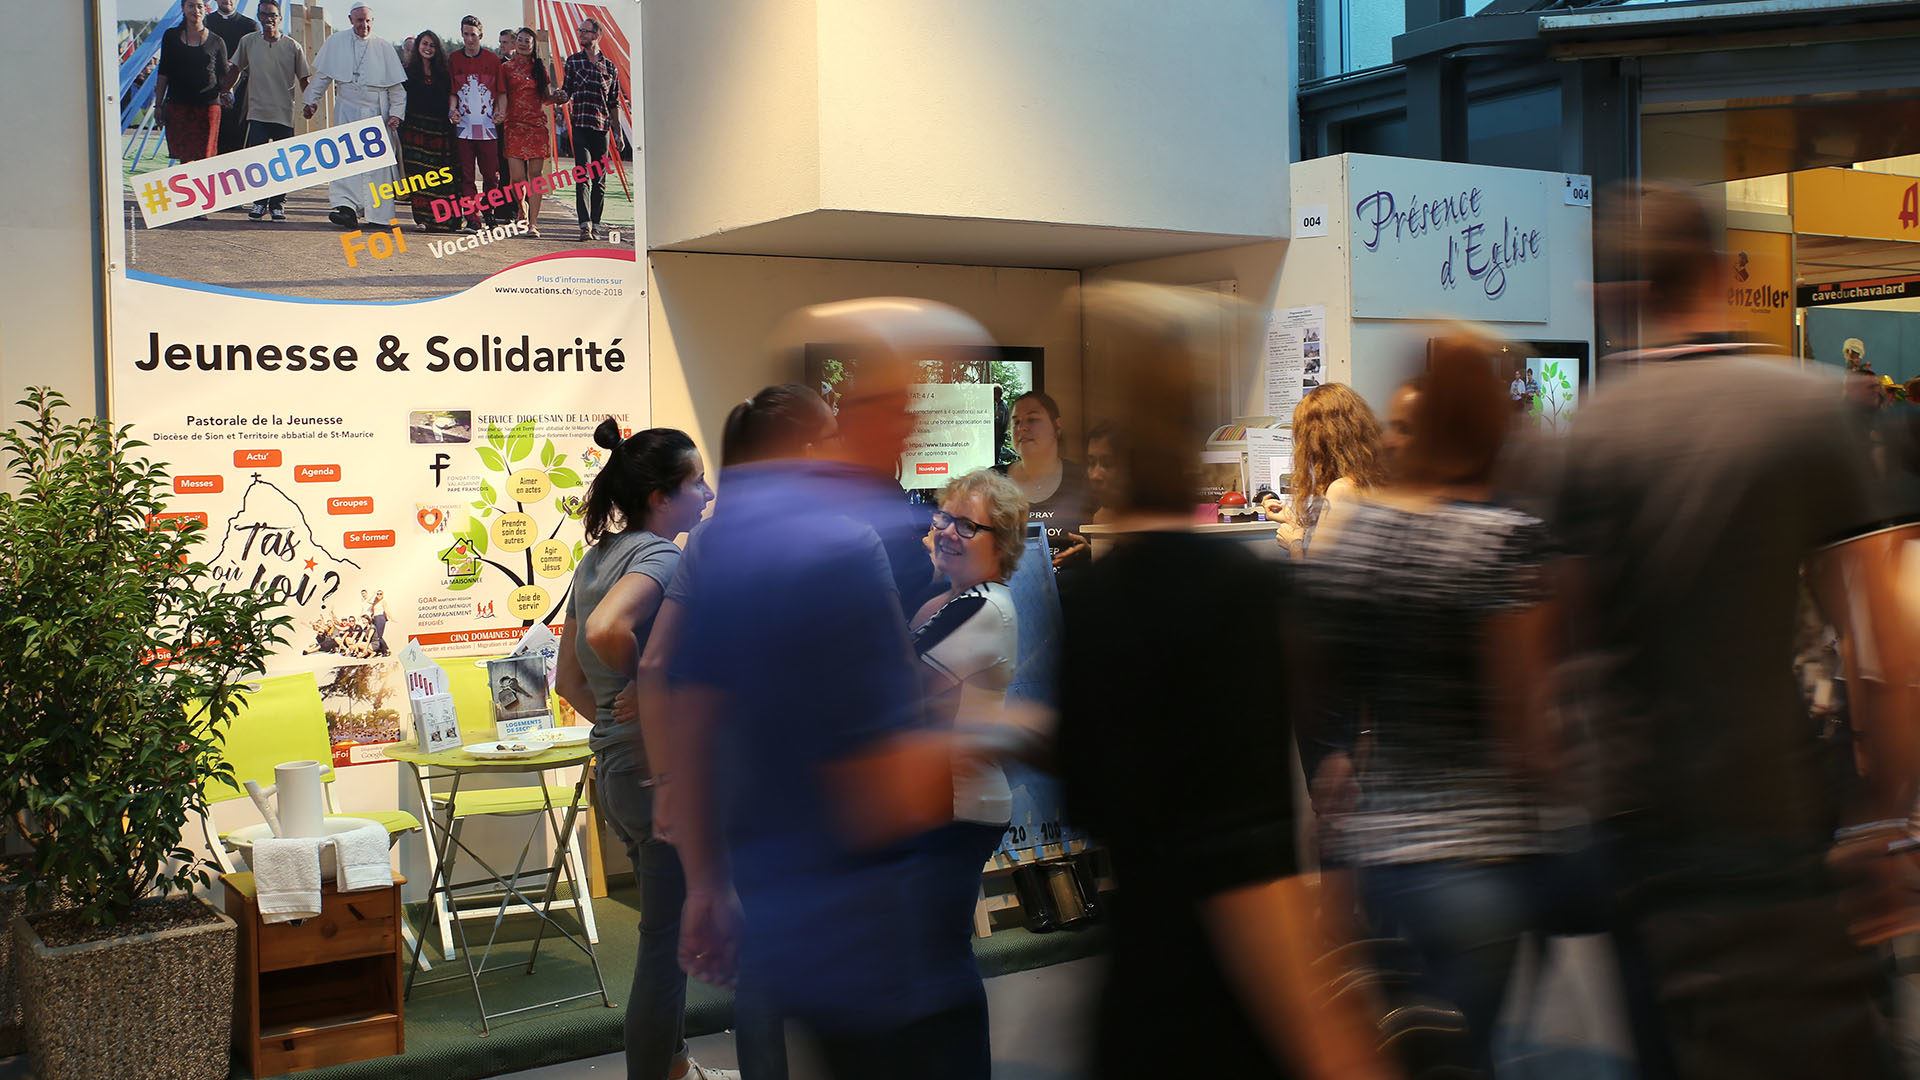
(1336, 459)
(967, 639)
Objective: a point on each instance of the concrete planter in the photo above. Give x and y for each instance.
(12, 1035)
(157, 1004)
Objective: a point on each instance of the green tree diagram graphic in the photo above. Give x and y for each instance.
(511, 487)
(1555, 399)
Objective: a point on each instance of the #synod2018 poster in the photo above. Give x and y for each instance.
(375, 275)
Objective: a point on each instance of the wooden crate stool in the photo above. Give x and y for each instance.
(322, 991)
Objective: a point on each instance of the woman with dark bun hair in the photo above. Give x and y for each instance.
(652, 489)
(783, 420)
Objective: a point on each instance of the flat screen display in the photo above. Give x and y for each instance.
(965, 402)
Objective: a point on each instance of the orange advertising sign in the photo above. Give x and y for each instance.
(1848, 202)
(1760, 295)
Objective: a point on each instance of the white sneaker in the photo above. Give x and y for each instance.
(697, 1071)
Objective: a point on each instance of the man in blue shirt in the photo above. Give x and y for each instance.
(810, 801)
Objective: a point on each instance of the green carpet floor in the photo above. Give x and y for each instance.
(443, 1029)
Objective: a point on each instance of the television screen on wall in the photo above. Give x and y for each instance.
(965, 399)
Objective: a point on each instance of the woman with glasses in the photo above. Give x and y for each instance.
(967, 639)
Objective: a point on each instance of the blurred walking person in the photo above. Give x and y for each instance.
(1436, 628)
(810, 781)
(1213, 927)
(779, 422)
(1694, 486)
(652, 489)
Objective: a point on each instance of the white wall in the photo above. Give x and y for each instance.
(713, 317)
(50, 326)
(1254, 268)
(732, 116)
(1129, 113)
(1134, 113)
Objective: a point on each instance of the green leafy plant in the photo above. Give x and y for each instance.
(120, 663)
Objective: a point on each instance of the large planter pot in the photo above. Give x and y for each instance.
(158, 1004)
(12, 1035)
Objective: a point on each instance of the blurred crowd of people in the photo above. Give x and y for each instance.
(1534, 688)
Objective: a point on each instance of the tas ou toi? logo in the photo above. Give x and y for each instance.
(432, 519)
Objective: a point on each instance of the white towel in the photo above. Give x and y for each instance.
(361, 855)
(286, 874)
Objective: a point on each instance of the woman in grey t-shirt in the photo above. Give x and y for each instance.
(653, 488)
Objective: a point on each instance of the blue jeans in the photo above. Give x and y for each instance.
(657, 1005)
(1465, 921)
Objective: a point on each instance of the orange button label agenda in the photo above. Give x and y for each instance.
(358, 504)
(198, 485)
(369, 538)
(316, 474)
(256, 459)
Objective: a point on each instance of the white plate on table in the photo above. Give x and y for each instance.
(559, 736)
(506, 750)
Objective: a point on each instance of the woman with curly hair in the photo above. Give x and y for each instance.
(1336, 459)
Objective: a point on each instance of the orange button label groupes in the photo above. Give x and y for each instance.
(316, 474)
(358, 504)
(256, 459)
(198, 485)
(368, 538)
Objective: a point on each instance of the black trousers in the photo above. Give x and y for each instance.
(589, 146)
(260, 131)
(950, 1045)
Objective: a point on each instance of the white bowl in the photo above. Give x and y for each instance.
(241, 840)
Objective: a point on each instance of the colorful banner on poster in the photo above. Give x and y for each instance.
(383, 413)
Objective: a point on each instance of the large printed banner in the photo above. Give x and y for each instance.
(379, 412)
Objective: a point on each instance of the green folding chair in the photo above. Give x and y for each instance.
(282, 720)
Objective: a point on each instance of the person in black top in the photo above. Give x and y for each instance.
(193, 61)
(1212, 938)
(231, 26)
(426, 135)
(1056, 489)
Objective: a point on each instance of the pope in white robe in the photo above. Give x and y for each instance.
(367, 81)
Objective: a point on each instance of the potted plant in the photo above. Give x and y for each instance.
(120, 662)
